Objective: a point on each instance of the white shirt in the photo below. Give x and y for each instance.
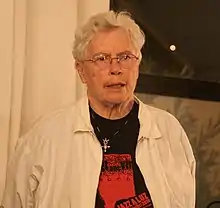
(57, 164)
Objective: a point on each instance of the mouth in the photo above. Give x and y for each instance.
(115, 85)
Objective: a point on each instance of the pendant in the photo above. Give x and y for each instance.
(105, 144)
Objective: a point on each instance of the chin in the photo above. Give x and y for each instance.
(116, 99)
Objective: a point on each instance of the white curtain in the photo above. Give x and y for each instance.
(36, 67)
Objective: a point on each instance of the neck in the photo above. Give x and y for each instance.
(112, 111)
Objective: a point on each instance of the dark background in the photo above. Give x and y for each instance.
(194, 28)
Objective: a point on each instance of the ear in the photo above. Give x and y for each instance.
(80, 69)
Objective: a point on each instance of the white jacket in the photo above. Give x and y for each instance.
(57, 164)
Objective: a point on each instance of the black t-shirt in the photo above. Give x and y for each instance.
(121, 184)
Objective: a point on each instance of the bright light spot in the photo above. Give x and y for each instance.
(172, 47)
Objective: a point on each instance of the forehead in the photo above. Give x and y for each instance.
(110, 41)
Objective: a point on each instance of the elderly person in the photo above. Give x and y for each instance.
(109, 150)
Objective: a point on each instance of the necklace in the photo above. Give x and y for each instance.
(106, 141)
(105, 144)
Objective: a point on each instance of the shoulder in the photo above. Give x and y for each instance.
(57, 127)
(160, 117)
(50, 129)
(162, 124)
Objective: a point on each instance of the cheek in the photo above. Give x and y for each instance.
(136, 72)
(133, 76)
(90, 73)
(90, 76)
(93, 75)
(96, 73)
(95, 80)
(132, 80)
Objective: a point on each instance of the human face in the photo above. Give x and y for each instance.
(113, 84)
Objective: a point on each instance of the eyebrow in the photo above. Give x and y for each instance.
(108, 54)
(124, 52)
(101, 53)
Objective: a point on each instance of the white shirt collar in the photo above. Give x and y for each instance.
(148, 126)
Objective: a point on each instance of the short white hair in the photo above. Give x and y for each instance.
(103, 21)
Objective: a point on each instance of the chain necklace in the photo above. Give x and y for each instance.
(106, 140)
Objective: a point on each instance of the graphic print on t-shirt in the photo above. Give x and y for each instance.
(116, 186)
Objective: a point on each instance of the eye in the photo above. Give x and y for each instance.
(101, 58)
(125, 57)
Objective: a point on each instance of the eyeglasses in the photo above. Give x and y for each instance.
(102, 60)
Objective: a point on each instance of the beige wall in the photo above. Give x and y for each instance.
(36, 67)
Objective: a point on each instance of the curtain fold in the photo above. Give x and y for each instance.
(37, 72)
(12, 64)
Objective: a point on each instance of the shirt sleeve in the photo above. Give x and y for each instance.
(190, 187)
(22, 178)
(184, 156)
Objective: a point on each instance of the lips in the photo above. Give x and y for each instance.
(115, 85)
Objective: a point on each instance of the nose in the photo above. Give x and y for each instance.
(115, 68)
